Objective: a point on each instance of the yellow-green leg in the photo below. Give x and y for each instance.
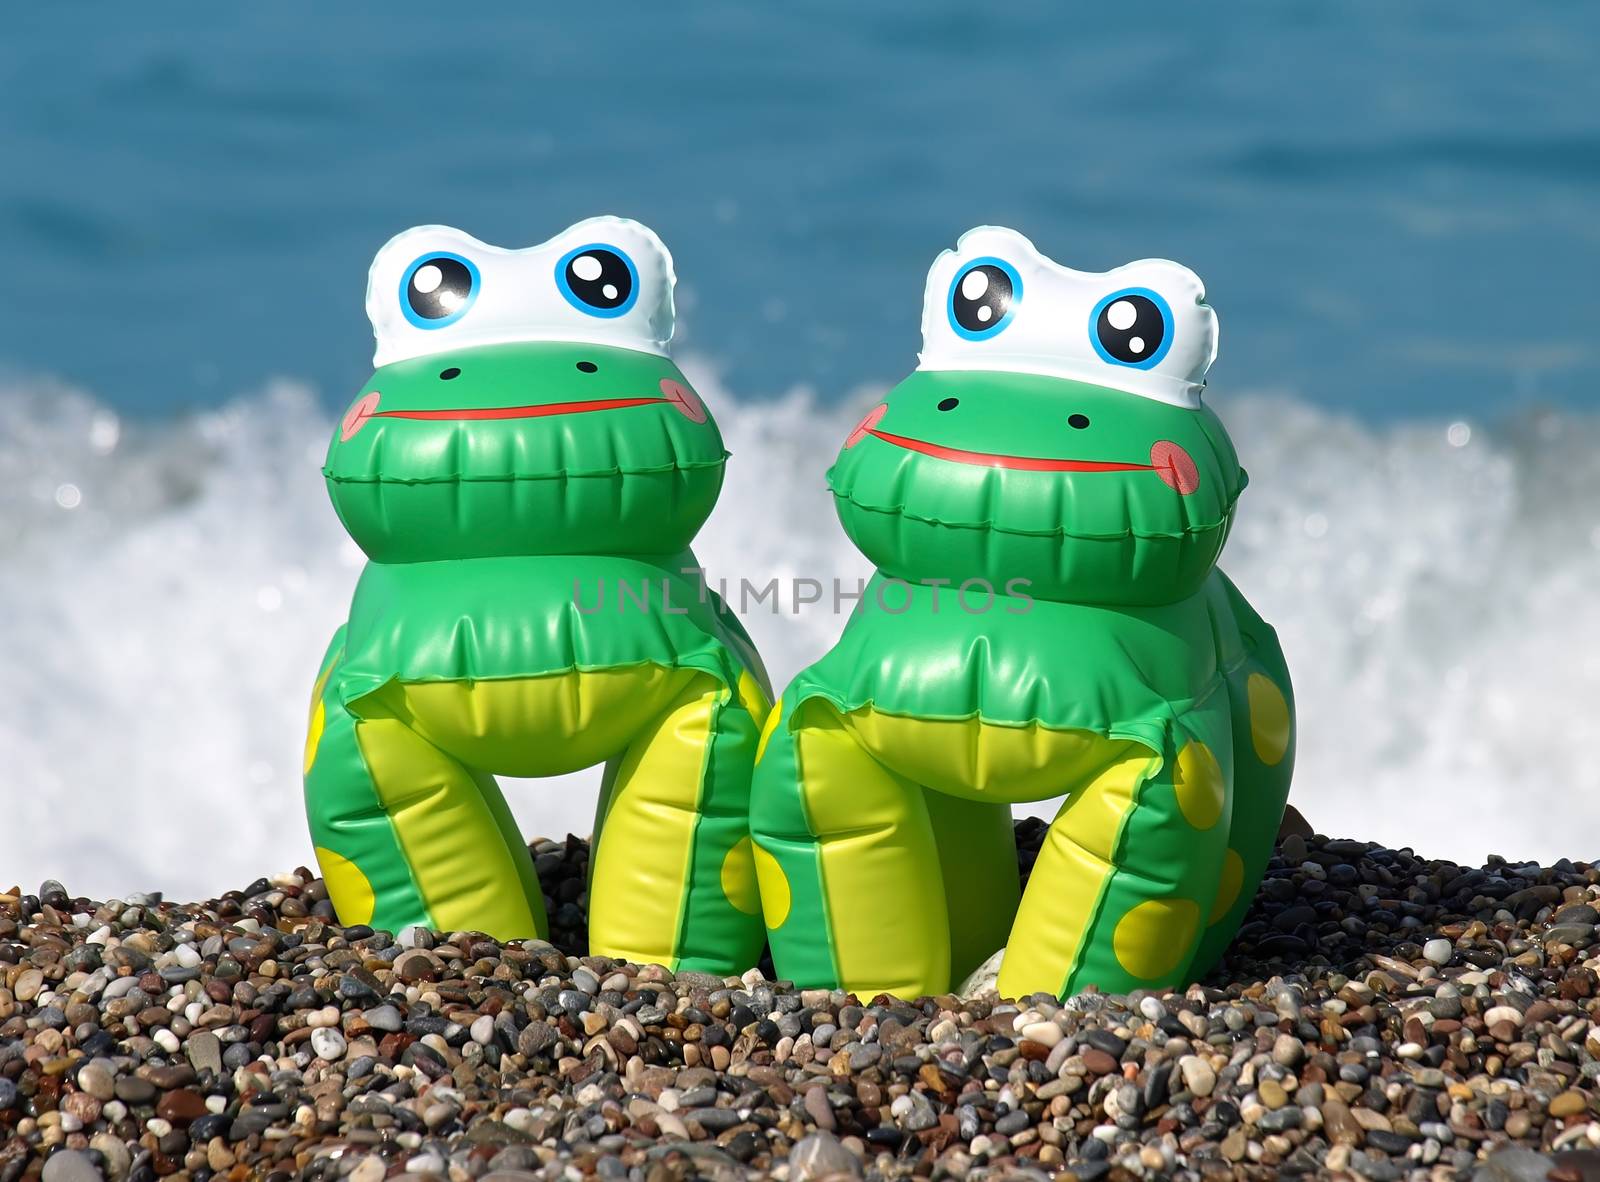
(1128, 870)
(849, 868)
(672, 877)
(407, 835)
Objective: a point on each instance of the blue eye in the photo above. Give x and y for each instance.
(437, 289)
(1131, 327)
(982, 298)
(598, 280)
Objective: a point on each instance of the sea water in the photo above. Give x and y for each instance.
(1397, 218)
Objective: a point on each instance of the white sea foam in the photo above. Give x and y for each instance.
(166, 592)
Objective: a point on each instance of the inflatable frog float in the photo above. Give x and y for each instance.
(1045, 499)
(525, 472)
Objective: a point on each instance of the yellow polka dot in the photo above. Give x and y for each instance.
(1152, 939)
(1197, 779)
(775, 897)
(1228, 884)
(319, 717)
(739, 878)
(752, 698)
(768, 728)
(1269, 719)
(348, 888)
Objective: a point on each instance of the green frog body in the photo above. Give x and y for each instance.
(525, 471)
(1044, 499)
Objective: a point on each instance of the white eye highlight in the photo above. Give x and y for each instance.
(427, 279)
(1122, 314)
(974, 285)
(587, 268)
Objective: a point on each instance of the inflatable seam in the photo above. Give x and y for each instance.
(515, 477)
(991, 527)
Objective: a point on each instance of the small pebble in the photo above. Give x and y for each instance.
(1378, 1016)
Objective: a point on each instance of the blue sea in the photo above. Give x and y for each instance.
(1395, 209)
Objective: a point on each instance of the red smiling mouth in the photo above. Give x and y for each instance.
(1167, 460)
(989, 459)
(673, 393)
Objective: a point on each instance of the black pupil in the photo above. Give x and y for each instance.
(1131, 328)
(600, 279)
(981, 297)
(439, 287)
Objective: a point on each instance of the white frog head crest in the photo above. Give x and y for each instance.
(603, 281)
(996, 303)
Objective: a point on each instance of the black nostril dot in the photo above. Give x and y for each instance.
(1078, 421)
(447, 374)
(949, 403)
(587, 366)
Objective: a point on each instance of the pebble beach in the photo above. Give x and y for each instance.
(1380, 1016)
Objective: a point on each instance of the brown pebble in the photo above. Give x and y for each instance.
(176, 1076)
(818, 1108)
(1569, 1103)
(1099, 1062)
(181, 1106)
(1341, 1127)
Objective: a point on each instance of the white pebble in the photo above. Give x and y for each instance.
(1197, 1074)
(186, 955)
(1044, 1033)
(119, 986)
(1438, 951)
(520, 1119)
(166, 1040)
(483, 1030)
(328, 1043)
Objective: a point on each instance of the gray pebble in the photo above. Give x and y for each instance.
(1013, 1122)
(385, 1018)
(71, 1165)
(821, 1155)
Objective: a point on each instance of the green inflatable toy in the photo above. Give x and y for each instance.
(525, 471)
(1045, 499)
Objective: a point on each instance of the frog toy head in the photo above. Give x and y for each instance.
(524, 402)
(1052, 438)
